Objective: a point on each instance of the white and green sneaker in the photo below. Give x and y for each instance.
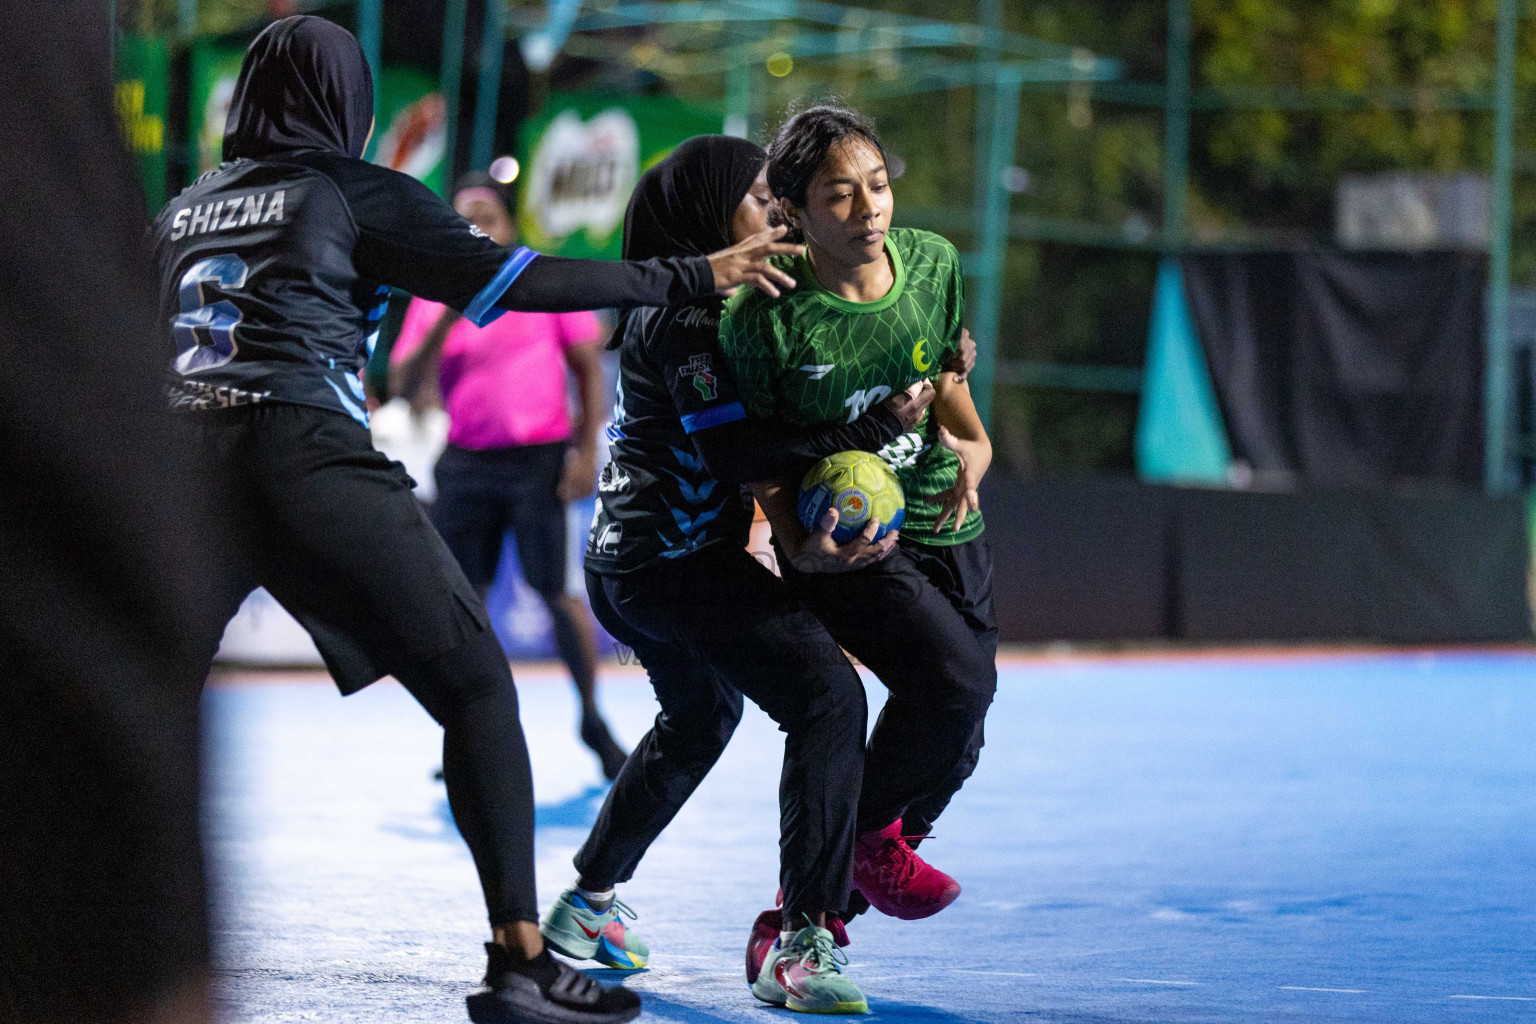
(581, 933)
(807, 975)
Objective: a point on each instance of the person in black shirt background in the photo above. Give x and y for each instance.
(273, 268)
(669, 575)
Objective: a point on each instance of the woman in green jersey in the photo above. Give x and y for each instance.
(878, 309)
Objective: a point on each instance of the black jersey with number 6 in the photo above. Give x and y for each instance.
(275, 274)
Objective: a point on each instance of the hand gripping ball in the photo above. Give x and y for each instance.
(860, 486)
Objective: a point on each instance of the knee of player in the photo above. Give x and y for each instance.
(706, 726)
(971, 695)
(846, 696)
(727, 716)
(476, 670)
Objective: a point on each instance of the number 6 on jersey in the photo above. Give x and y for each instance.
(205, 331)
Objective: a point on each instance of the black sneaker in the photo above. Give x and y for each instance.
(549, 991)
(595, 734)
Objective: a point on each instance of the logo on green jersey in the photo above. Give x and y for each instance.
(920, 359)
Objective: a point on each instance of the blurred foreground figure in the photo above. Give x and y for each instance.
(101, 885)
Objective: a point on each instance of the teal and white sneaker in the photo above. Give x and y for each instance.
(581, 933)
(807, 976)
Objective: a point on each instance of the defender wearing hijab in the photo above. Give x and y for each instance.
(669, 575)
(273, 270)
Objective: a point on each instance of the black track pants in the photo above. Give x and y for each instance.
(941, 674)
(963, 574)
(709, 628)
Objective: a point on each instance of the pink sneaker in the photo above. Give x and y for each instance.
(895, 880)
(766, 929)
(765, 932)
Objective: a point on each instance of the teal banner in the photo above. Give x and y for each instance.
(1179, 433)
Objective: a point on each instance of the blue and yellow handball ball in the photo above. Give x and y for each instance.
(860, 486)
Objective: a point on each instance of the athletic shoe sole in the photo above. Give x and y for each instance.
(489, 1008)
(859, 1007)
(791, 1003)
(925, 910)
(594, 957)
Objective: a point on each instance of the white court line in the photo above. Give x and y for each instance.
(1157, 981)
(1304, 988)
(1509, 999)
(1000, 974)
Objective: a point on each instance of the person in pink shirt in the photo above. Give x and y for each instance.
(514, 458)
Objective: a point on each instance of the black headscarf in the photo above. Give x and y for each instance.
(684, 205)
(305, 84)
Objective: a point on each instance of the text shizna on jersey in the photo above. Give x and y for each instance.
(227, 214)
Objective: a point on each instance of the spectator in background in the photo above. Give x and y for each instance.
(514, 459)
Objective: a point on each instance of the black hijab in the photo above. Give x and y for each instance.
(305, 84)
(684, 205)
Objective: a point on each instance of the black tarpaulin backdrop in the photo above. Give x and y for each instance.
(1346, 369)
(1107, 558)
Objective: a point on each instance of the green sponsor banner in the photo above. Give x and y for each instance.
(214, 70)
(142, 98)
(410, 131)
(581, 156)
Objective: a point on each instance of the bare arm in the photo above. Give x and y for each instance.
(961, 431)
(580, 475)
(414, 378)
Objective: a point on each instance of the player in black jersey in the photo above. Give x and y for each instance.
(669, 575)
(273, 270)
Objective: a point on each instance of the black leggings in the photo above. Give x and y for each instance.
(709, 628)
(331, 528)
(469, 691)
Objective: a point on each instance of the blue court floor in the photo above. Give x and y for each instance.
(1307, 838)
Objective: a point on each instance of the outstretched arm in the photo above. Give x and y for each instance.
(553, 284)
(408, 237)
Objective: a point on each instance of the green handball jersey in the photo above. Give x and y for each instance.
(812, 358)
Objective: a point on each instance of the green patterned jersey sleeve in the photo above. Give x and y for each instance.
(750, 346)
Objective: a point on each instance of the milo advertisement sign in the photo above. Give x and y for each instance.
(581, 156)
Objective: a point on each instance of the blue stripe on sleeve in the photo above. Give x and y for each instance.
(696, 421)
(482, 308)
